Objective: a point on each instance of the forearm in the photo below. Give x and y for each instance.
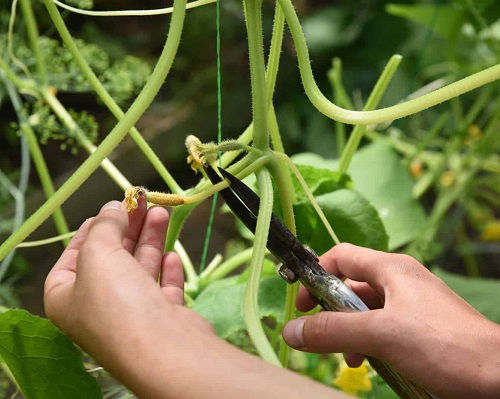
(490, 374)
(168, 362)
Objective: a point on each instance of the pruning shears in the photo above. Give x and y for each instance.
(300, 263)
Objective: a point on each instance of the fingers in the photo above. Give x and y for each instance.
(67, 260)
(367, 294)
(354, 360)
(328, 332)
(172, 278)
(60, 279)
(357, 263)
(135, 224)
(108, 228)
(372, 299)
(149, 248)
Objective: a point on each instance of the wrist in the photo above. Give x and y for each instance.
(492, 369)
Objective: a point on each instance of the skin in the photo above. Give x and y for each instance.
(104, 293)
(418, 325)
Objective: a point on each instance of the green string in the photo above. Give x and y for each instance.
(219, 137)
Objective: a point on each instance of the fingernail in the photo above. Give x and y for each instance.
(111, 205)
(293, 333)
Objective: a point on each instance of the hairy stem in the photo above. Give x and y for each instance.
(335, 112)
(253, 13)
(143, 100)
(251, 313)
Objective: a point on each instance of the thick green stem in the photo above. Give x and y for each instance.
(339, 96)
(45, 180)
(66, 118)
(274, 53)
(372, 102)
(177, 220)
(333, 111)
(250, 304)
(32, 28)
(253, 13)
(106, 97)
(114, 137)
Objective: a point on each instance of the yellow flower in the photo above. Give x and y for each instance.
(353, 380)
(492, 231)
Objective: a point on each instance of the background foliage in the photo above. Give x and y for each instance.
(427, 184)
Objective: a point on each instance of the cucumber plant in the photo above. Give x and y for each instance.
(323, 205)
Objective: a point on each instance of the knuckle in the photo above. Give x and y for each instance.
(342, 247)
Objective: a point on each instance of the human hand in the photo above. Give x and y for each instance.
(103, 291)
(418, 325)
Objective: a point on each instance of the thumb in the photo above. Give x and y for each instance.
(328, 332)
(109, 227)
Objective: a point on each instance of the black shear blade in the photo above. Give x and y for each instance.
(245, 205)
(236, 204)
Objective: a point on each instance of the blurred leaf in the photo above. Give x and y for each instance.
(123, 77)
(352, 217)
(47, 126)
(446, 20)
(481, 293)
(328, 28)
(380, 390)
(221, 303)
(44, 362)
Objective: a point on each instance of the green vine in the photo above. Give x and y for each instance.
(337, 113)
(136, 110)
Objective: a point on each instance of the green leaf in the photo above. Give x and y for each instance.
(320, 181)
(221, 303)
(44, 362)
(446, 20)
(481, 293)
(379, 174)
(352, 217)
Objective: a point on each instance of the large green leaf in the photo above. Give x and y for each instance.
(44, 362)
(221, 303)
(378, 173)
(352, 217)
(482, 293)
